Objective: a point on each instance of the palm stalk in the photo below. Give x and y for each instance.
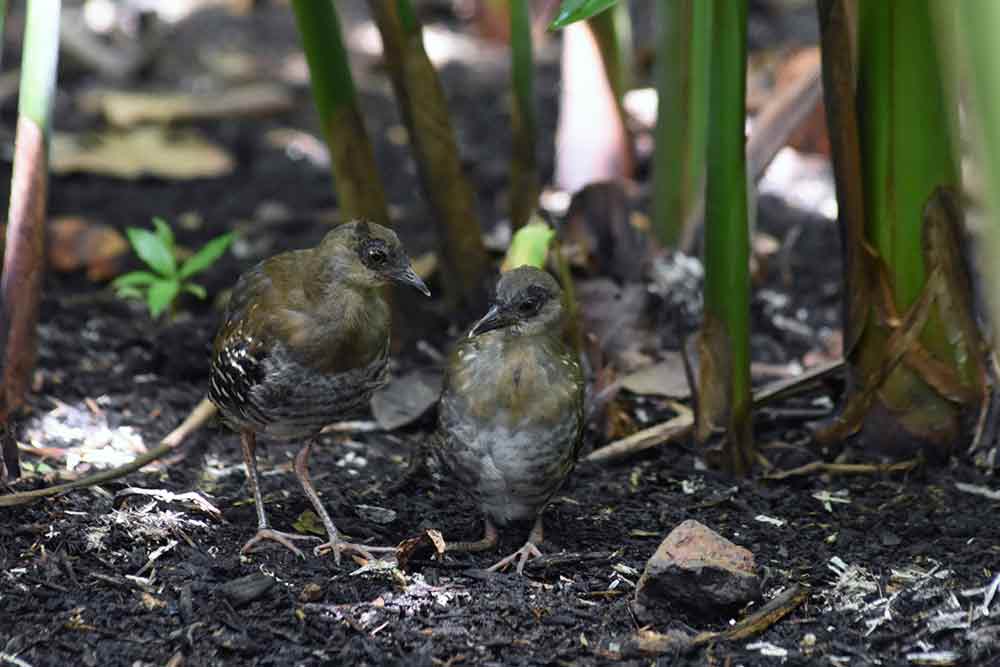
(682, 114)
(724, 386)
(911, 342)
(24, 250)
(524, 161)
(356, 178)
(425, 113)
(979, 21)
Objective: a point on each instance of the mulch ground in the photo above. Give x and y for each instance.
(897, 567)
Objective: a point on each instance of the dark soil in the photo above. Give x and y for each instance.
(88, 579)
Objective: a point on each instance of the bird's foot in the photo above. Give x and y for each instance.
(284, 539)
(338, 547)
(522, 556)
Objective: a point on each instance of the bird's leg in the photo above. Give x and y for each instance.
(334, 543)
(488, 542)
(248, 441)
(525, 553)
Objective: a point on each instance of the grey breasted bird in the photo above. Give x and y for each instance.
(511, 414)
(305, 342)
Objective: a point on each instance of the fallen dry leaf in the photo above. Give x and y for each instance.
(126, 108)
(405, 399)
(143, 151)
(665, 378)
(77, 243)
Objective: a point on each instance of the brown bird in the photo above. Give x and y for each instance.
(305, 342)
(511, 414)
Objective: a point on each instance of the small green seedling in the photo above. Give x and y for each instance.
(160, 287)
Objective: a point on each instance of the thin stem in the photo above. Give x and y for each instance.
(727, 243)
(682, 113)
(524, 162)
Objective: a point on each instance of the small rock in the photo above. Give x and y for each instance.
(697, 568)
(246, 589)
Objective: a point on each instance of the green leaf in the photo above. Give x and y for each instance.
(308, 522)
(164, 233)
(205, 257)
(129, 292)
(530, 246)
(571, 11)
(151, 250)
(196, 289)
(135, 279)
(161, 294)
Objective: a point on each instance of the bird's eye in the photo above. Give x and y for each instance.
(377, 256)
(528, 306)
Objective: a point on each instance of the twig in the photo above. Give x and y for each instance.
(976, 490)
(198, 416)
(566, 559)
(677, 427)
(768, 615)
(682, 424)
(202, 412)
(654, 643)
(771, 129)
(846, 469)
(11, 659)
(792, 386)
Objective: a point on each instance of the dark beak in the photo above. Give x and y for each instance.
(495, 318)
(409, 277)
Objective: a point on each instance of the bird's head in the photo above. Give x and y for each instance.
(366, 255)
(528, 302)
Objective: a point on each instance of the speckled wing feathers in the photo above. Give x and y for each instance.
(260, 383)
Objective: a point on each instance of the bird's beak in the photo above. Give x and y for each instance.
(409, 277)
(495, 318)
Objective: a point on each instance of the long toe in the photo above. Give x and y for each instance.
(522, 556)
(284, 539)
(339, 547)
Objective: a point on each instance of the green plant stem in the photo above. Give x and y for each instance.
(727, 280)
(524, 161)
(980, 25)
(356, 177)
(911, 343)
(39, 62)
(612, 29)
(24, 250)
(907, 150)
(425, 113)
(682, 113)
